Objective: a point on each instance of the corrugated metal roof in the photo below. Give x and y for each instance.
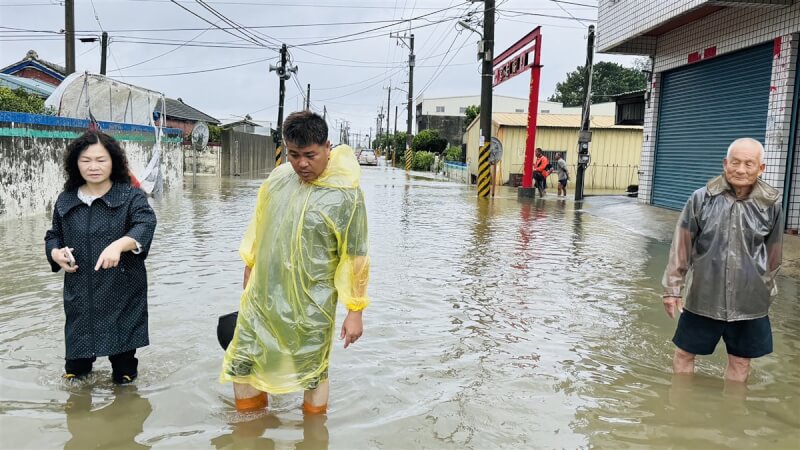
(179, 110)
(29, 85)
(555, 121)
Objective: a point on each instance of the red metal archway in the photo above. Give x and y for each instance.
(512, 62)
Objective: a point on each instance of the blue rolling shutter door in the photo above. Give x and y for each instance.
(704, 107)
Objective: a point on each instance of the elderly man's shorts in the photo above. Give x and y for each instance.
(744, 338)
(563, 182)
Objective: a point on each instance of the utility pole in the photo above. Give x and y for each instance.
(308, 97)
(388, 124)
(410, 119)
(325, 113)
(585, 136)
(284, 73)
(103, 52)
(484, 174)
(69, 34)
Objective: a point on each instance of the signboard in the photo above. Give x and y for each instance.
(513, 67)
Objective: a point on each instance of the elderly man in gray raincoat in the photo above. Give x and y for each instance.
(725, 255)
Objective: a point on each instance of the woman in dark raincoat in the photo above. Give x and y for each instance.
(101, 234)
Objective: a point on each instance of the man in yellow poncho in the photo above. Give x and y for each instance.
(304, 251)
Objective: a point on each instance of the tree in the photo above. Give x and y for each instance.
(214, 133)
(608, 79)
(429, 140)
(471, 113)
(19, 100)
(453, 154)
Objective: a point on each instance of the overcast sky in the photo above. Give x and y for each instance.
(349, 78)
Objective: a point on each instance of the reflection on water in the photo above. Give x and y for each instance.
(113, 425)
(494, 324)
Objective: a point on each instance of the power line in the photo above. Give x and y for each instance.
(202, 71)
(168, 51)
(581, 21)
(379, 28)
(211, 23)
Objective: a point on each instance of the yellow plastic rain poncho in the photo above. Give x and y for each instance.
(307, 247)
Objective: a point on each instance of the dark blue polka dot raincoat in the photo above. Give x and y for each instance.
(106, 310)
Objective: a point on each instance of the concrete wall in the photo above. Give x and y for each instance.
(208, 161)
(246, 154)
(453, 105)
(32, 152)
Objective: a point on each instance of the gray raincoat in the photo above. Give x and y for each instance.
(106, 310)
(727, 251)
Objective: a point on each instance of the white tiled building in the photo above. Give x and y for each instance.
(721, 69)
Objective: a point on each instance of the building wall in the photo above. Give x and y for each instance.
(37, 75)
(449, 127)
(183, 125)
(615, 153)
(32, 150)
(729, 30)
(452, 105)
(618, 20)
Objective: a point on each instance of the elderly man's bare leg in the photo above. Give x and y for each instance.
(249, 398)
(683, 362)
(315, 401)
(738, 369)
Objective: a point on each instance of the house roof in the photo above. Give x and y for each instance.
(241, 122)
(32, 60)
(35, 87)
(554, 121)
(177, 109)
(557, 121)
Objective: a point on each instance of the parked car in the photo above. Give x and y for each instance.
(367, 157)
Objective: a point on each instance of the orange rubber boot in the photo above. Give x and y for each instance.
(310, 409)
(253, 403)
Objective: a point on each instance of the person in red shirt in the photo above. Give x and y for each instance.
(541, 167)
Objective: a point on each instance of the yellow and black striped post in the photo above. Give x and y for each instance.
(278, 155)
(409, 159)
(484, 174)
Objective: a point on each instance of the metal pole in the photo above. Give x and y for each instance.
(69, 35)
(103, 52)
(308, 97)
(484, 174)
(585, 137)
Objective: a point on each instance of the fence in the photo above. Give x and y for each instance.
(457, 171)
(246, 154)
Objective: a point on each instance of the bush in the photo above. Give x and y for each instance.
(429, 140)
(422, 161)
(20, 101)
(453, 154)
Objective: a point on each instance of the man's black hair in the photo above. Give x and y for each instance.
(304, 128)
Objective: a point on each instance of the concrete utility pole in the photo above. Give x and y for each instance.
(411, 64)
(585, 135)
(103, 52)
(69, 35)
(284, 73)
(388, 124)
(484, 174)
(308, 97)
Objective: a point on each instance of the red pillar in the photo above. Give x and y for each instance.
(533, 111)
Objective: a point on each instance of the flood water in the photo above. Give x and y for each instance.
(494, 324)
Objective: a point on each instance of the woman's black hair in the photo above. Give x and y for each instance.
(119, 162)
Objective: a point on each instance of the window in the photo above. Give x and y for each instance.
(440, 109)
(519, 110)
(545, 111)
(462, 110)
